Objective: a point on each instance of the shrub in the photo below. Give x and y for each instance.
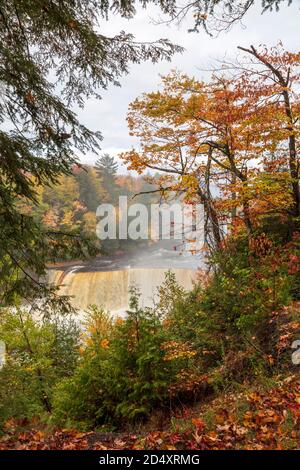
(38, 354)
(124, 372)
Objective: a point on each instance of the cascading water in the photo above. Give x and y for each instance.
(109, 289)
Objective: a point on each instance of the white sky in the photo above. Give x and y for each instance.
(109, 114)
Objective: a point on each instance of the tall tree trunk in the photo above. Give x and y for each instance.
(43, 394)
(284, 82)
(212, 216)
(293, 164)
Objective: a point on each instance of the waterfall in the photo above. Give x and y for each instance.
(109, 289)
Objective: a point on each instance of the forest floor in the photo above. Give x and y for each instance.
(255, 419)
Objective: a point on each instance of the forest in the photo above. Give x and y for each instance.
(69, 206)
(211, 368)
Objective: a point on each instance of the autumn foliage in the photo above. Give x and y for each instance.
(256, 420)
(213, 368)
(230, 142)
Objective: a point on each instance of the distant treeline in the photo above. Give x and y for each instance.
(70, 204)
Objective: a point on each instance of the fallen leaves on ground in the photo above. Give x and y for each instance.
(254, 420)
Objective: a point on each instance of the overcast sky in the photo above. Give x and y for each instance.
(109, 114)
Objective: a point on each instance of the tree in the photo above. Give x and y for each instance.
(276, 72)
(39, 352)
(92, 191)
(106, 169)
(217, 15)
(52, 57)
(230, 143)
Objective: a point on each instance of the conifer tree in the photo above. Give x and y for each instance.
(52, 56)
(107, 168)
